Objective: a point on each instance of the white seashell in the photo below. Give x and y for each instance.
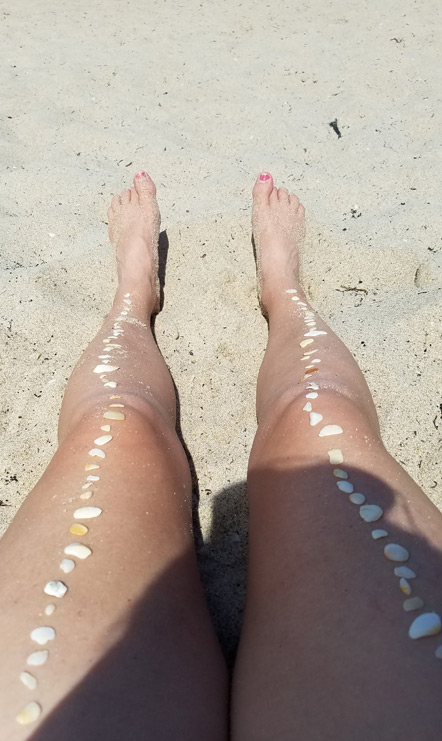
(316, 361)
(304, 343)
(97, 453)
(105, 428)
(335, 456)
(340, 474)
(414, 603)
(37, 658)
(67, 565)
(330, 430)
(371, 512)
(405, 586)
(105, 368)
(345, 486)
(314, 333)
(91, 466)
(121, 406)
(315, 418)
(427, 624)
(308, 407)
(87, 513)
(127, 301)
(438, 652)
(28, 680)
(113, 344)
(87, 494)
(106, 341)
(104, 357)
(312, 395)
(313, 386)
(126, 295)
(114, 415)
(124, 313)
(376, 534)
(111, 384)
(93, 478)
(30, 713)
(55, 589)
(405, 572)
(50, 609)
(43, 635)
(86, 486)
(103, 440)
(395, 552)
(357, 498)
(78, 550)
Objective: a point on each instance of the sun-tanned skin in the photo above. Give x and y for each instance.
(324, 652)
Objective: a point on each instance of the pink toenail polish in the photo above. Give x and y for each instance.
(141, 174)
(264, 176)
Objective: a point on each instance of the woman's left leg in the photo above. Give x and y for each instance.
(104, 631)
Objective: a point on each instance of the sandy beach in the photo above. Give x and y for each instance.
(204, 96)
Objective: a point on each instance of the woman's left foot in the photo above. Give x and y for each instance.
(134, 228)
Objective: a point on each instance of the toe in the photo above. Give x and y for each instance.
(294, 200)
(125, 197)
(144, 185)
(263, 186)
(283, 195)
(115, 202)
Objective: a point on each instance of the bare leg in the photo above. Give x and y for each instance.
(131, 650)
(325, 651)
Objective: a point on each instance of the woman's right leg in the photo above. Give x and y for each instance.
(325, 652)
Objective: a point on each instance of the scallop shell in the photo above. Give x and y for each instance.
(43, 635)
(97, 453)
(371, 512)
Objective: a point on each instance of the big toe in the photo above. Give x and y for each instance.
(263, 187)
(144, 185)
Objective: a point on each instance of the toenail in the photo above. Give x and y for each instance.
(141, 174)
(264, 176)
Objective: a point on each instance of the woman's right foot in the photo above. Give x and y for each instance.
(278, 231)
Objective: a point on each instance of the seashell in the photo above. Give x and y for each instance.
(414, 603)
(330, 430)
(105, 428)
(116, 396)
(67, 565)
(87, 513)
(78, 550)
(405, 586)
(116, 405)
(37, 658)
(30, 713)
(313, 386)
(312, 395)
(104, 357)
(103, 440)
(308, 407)
(315, 418)
(357, 498)
(340, 474)
(97, 453)
(78, 529)
(105, 368)
(291, 290)
(395, 552)
(87, 486)
(376, 534)
(28, 680)
(405, 572)
(438, 652)
(113, 344)
(55, 589)
(91, 466)
(114, 415)
(127, 301)
(345, 486)
(304, 343)
(93, 478)
(427, 624)
(50, 609)
(87, 494)
(370, 512)
(43, 635)
(309, 371)
(126, 295)
(106, 341)
(335, 456)
(316, 360)
(111, 384)
(315, 333)
(124, 313)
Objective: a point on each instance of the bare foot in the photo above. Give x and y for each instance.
(134, 227)
(278, 232)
